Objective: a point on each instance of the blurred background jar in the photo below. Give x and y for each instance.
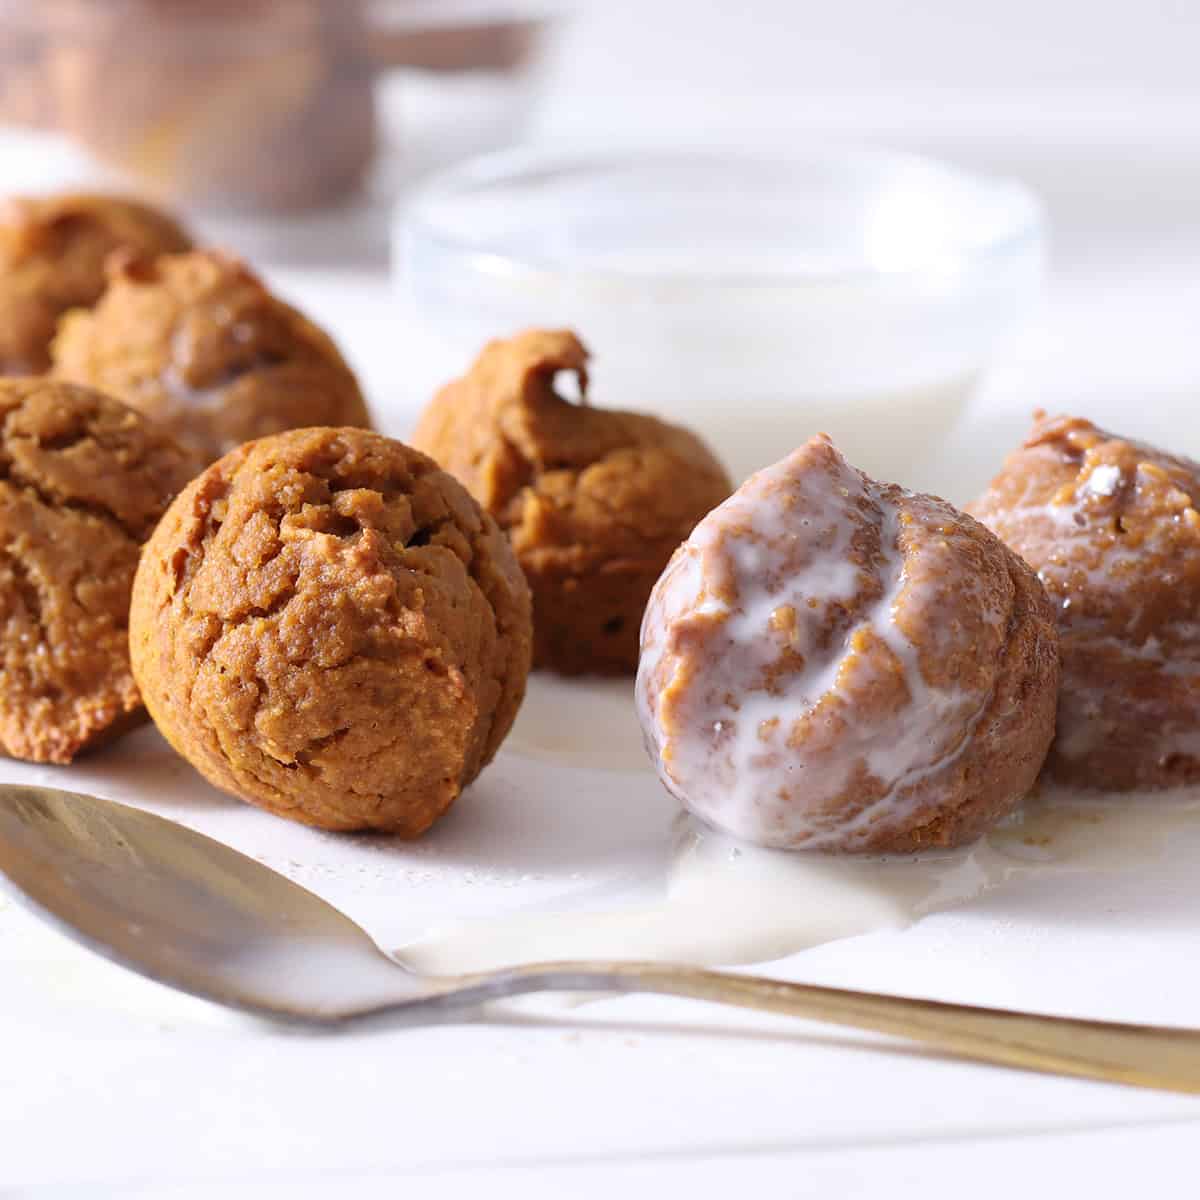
(265, 106)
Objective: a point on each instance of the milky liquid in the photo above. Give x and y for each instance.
(724, 903)
(892, 436)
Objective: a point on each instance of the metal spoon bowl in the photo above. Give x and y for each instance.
(192, 913)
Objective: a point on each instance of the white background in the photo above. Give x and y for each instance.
(1098, 107)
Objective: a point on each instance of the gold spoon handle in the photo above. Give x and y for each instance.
(1142, 1055)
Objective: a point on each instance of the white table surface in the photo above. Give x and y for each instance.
(110, 1085)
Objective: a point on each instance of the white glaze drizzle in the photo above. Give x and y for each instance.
(1086, 570)
(784, 541)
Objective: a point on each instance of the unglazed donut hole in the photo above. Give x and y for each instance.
(594, 500)
(84, 481)
(836, 664)
(325, 624)
(197, 342)
(53, 251)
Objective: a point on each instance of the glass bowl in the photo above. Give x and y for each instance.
(760, 297)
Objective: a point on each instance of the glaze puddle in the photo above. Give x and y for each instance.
(726, 903)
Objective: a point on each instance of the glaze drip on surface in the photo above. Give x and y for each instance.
(724, 903)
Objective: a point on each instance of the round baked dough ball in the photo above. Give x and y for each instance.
(594, 500)
(326, 625)
(1112, 528)
(197, 342)
(83, 480)
(831, 663)
(53, 251)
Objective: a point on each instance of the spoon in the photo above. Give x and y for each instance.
(190, 912)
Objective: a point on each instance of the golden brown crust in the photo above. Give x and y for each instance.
(326, 625)
(84, 479)
(196, 341)
(594, 500)
(1112, 528)
(53, 251)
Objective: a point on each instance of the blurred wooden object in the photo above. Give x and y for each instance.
(236, 104)
(501, 45)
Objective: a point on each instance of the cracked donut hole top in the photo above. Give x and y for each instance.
(593, 500)
(328, 626)
(1112, 528)
(830, 663)
(196, 341)
(83, 480)
(53, 251)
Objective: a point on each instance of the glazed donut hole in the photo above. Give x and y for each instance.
(831, 663)
(1112, 528)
